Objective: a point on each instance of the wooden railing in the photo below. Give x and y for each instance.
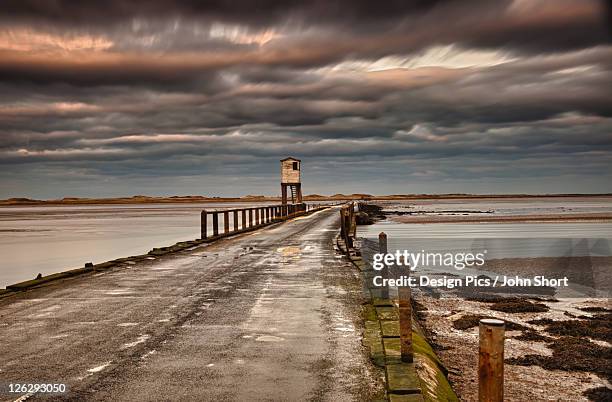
(245, 219)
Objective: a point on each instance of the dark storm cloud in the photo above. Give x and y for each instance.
(422, 91)
(148, 47)
(259, 12)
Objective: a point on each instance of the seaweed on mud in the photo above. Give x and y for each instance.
(418, 306)
(541, 321)
(532, 336)
(495, 298)
(571, 354)
(599, 326)
(472, 320)
(604, 317)
(487, 292)
(596, 328)
(594, 309)
(375, 212)
(519, 306)
(599, 394)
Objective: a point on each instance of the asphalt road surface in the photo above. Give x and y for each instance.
(270, 315)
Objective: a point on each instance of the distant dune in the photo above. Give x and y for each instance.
(144, 199)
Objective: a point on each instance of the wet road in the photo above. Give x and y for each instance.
(271, 315)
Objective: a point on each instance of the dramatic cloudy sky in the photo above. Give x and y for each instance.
(125, 97)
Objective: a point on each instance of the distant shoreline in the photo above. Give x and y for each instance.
(140, 199)
(583, 217)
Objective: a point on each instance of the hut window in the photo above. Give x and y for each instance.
(295, 166)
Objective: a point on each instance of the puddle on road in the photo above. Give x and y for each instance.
(117, 292)
(59, 336)
(139, 340)
(99, 368)
(127, 324)
(44, 315)
(94, 370)
(149, 353)
(269, 338)
(344, 329)
(289, 254)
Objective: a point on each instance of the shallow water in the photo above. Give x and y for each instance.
(502, 240)
(505, 207)
(49, 239)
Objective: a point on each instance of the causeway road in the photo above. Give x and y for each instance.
(268, 315)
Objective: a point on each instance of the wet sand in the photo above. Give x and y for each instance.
(555, 349)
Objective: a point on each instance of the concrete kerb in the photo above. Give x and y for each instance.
(423, 380)
(155, 252)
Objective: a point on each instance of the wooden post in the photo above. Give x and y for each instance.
(215, 223)
(235, 220)
(353, 222)
(405, 319)
(382, 248)
(203, 225)
(491, 360)
(283, 194)
(244, 219)
(226, 222)
(250, 217)
(347, 228)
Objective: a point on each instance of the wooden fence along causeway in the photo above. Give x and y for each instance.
(240, 220)
(348, 227)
